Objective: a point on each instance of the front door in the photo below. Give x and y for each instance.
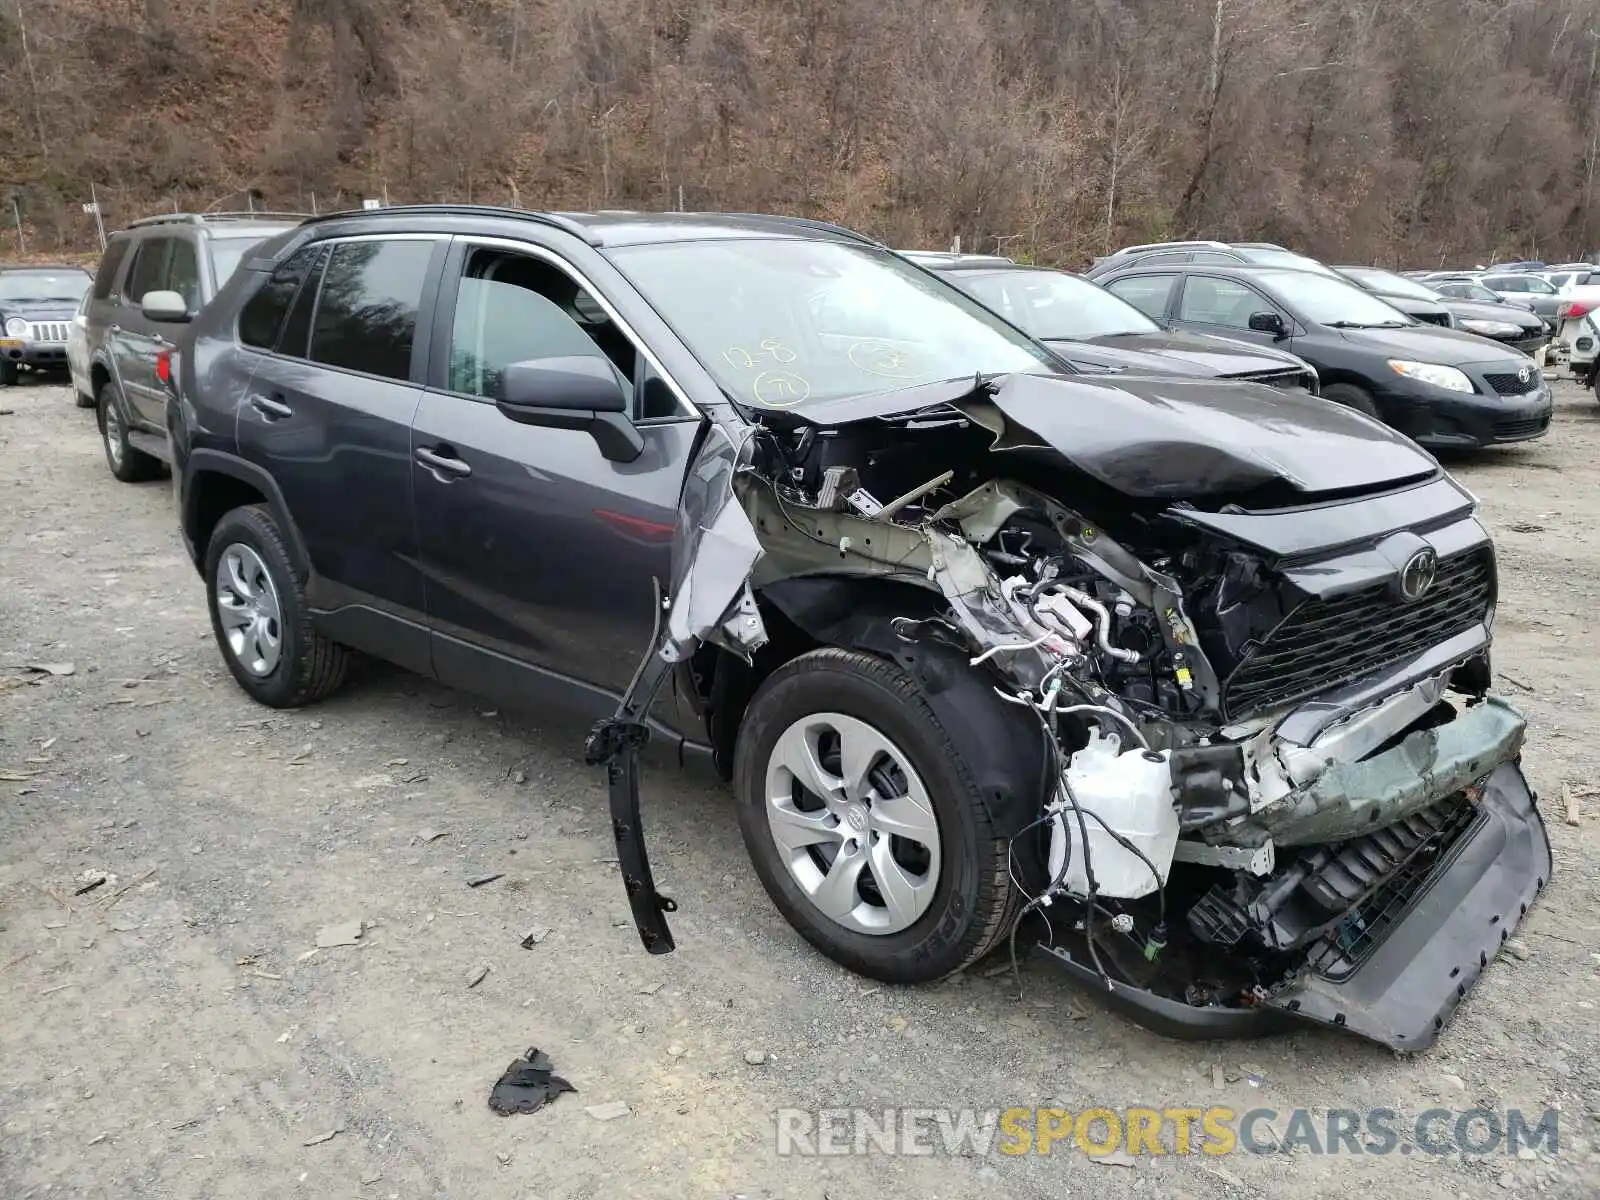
(1212, 304)
(539, 553)
(328, 414)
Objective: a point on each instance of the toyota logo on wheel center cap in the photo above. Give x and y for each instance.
(856, 817)
(1416, 577)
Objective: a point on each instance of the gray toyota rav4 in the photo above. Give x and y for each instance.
(1200, 668)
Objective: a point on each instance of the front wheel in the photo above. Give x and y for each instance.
(260, 617)
(1351, 396)
(8, 374)
(865, 824)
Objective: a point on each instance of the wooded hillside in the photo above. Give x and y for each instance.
(1409, 132)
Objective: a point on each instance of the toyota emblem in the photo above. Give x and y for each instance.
(1416, 577)
(1524, 374)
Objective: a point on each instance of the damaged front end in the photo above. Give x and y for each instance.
(1255, 661)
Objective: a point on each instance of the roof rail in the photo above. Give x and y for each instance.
(1206, 242)
(558, 220)
(207, 218)
(1261, 246)
(809, 223)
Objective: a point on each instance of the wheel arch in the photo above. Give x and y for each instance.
(1001, 742)
(216, 484)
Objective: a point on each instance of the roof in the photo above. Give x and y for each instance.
(43, 267)
(608, 228)
(1244, 270)
(227, 220)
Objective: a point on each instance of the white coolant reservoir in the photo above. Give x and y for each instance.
(1131, 791)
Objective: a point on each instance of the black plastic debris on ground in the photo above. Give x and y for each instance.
(527, 1085)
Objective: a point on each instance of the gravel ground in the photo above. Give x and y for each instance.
(172, 1034)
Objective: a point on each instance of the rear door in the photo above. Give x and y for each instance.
(539, 552)
(328, 415)
(134, 341)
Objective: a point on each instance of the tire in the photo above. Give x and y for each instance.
(84, 400)
(1351, 396)
(247, 545)
(8, 374)
(968, 902)
(126, 463)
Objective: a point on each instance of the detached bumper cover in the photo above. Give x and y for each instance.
(1405, 986)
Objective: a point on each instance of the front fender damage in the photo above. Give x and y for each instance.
(1351, 856)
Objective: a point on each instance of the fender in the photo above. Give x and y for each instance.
(219, 462)
(1002, 743)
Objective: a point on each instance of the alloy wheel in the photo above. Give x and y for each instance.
(853, 823)
(248, 609)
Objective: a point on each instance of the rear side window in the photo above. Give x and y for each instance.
(1150, 294)
(149, 270)
(297, 329)
(262, 315)
(366, 318)
(110, 263)
(183, 273)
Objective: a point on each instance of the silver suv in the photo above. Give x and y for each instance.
(126, 357)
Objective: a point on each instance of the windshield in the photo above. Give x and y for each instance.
(1049, 304)
(228, 253)
(1390, 284)
(781, 322)
(1326, 300)
(67, 286)
(1286, 258)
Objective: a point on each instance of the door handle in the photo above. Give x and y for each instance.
(270, 408)
(442, 462)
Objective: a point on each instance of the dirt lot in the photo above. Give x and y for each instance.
(167, 1035)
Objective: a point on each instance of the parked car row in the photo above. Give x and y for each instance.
(983, 587)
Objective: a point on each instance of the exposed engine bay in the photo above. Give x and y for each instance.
(1266, 736)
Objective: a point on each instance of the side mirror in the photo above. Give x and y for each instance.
(1268, 322)
(572, 392)
(167, 307)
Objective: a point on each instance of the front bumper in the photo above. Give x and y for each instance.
(33, 354)
(1407, 982)
(1455, 421)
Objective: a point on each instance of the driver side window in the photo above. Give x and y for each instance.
(1209, 301)
(513, 307)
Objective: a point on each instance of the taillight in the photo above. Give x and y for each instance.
(1573, 309)
(164, 365)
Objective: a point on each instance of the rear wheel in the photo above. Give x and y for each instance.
(1351, 396)
(126, 463)
(864, 823)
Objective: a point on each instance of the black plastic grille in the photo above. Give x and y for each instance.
(1435, 318)
(1326, 643)
(1511, 383)
(1512, 428)
(1441, 827)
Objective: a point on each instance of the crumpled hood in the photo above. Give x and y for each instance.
(1177, 354)
(1177, 437)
